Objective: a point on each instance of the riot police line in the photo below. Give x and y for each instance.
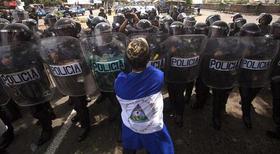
(81, 66)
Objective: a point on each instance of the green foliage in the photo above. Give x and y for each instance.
(189, 2)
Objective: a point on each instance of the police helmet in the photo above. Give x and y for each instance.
(236, 16)
(212, 18)
(89, 18)
(97, 20)
(181, 17)
(31, 24)
(275, 29)
(3, 22)
(239, 22)
(177, 28)
(144, 24)
(118, 20)
(264, 18)
(218, 29)
(102, 27)
(250, 29)
(67, 27)
(16, 32)
(189, 21)
(167, 21)
(201, 28)
(50, 19)
(19, 15)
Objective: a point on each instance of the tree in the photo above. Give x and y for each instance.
(188, 2)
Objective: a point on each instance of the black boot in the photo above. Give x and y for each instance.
(202, 94)
(246, 115)
(46, 133)
(179, 120)
(80, 106)
(84, 133)
(85, 123)
(8, 138)
(42, 113)
(51, 111)
(216, 115)
(45, 136)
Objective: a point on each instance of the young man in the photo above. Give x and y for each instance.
(139, 94)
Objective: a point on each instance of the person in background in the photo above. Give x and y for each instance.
(102, 13)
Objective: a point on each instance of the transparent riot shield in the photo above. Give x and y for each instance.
(64, 58)
(255, 66)
(23, 75)
(105, 55)
(183, 57)
(3, 96)
(275, 73)
(220, 62)
(157, 54)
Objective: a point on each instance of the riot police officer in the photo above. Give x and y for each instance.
(189, 23)
(19, 15)
(92, 23)
(104, 31)
(105, 50)
(212, 18)
(174, 14)
(39, 102)
(237, 24)
(219, 29)
(176, 89)
(49, 21)
(153, 18)
(3, 23)
(129, 25)
(68, 27)
(8, 135)
(32, 25)
(201, 28)
(252, 78)
(166, 22)
(275, 84)
(181, 17)
(201, 90)
(234, 17)
(264, 20)
(117, 22)
(89, 18)
(145, 26)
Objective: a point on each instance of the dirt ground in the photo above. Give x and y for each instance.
(196, 136)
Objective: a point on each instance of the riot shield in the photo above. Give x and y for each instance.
(3, 96)
(23, 75)
(275, 74)
(157, 54)
(183, 57)
(258, 54)
(64, 58)
(220, 62)
(105, 55)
